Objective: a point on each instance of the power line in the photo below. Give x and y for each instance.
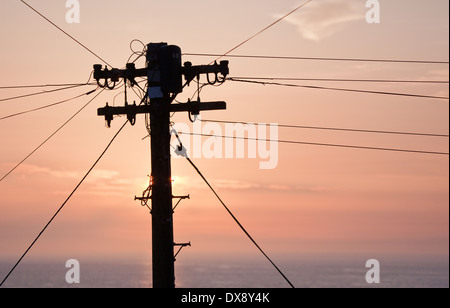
(237, 221)
(47, 86)
(250, 38)
(321, 144)
(344, 80)
(338, 89)
(334, 129)
(67, 34)
(315, 58)
(64, 203)
(46, 106)
(261, 31)
(224, 205)
(51, 85)
(43, 92)
(51, 136)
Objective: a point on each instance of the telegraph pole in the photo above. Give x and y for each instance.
(164, 72)
(162, 220)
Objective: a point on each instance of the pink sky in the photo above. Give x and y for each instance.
(319, 200)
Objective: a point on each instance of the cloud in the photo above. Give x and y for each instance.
(188, 183)
(103, 182)
(236, 185)
(33, 170)
(100, 182)
(96, 175)
(323, 19)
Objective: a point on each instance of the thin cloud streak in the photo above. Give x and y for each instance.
(323, 19)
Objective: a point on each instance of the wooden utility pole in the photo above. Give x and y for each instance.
(164, 72)
(162, 220)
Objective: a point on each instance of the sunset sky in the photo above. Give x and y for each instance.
(319, 200)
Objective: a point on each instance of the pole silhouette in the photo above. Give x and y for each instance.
(164, 72)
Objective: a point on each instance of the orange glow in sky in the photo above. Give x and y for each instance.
(317, 201)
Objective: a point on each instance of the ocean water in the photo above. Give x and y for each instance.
(231, 274)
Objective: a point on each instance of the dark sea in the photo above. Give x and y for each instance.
(312, 273)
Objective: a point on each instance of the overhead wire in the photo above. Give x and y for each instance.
(332, 128)
(315, 58)
(237, 221)
(52, 85)
(344, 80)
(338, 89)
(51, 136)
(44, 92)
(67, 34)
(46, 106)
(229, 211)
(319, 144)
(47, 86)
(220, 56)
(63, 204)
